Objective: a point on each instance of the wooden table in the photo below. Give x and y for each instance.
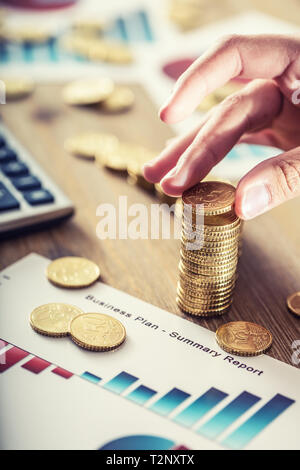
(269, 269)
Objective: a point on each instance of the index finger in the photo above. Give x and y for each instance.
(261, 56)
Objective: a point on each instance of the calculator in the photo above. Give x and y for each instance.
(29, 198)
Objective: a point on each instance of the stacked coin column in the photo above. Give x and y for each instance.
(207, 274)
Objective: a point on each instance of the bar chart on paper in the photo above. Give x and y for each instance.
(134, 27)
(166, 405)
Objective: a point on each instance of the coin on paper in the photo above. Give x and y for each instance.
(88, 91)
(53, 319)
(72, 272)
(293, 303)
(243, 338)
(121, 99)
(97, 332)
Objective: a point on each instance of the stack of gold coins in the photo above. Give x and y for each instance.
(209, 249)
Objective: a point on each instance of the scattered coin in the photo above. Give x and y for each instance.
(243, 338)
(53, 319)
(89, 26)
(293, 303)
(27, 33)
(17, 87)
(88, 91)
(97, 332)
(122, 98)
(86, 145)
(72, 272)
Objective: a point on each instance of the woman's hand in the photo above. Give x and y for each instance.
(266, 111)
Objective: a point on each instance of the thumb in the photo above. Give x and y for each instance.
(269, 184)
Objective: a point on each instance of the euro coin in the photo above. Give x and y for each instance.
(203, 312)
(243, 338)
(97, 332)
(121, 99)
(72, 272)
(88, 91)
(27, 33)
(118, 53)
(293, 303)
(53, 319)
(86, 145)
(214, 197)
(17, 88)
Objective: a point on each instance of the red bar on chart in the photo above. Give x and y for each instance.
(11, 357)
(62, 373)
(36, 365)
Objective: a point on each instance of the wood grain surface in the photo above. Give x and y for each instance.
(269, 269)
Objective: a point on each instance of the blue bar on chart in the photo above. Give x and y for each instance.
(166, 404)
(141, 394)
(146, 24)
(91, 377)
(120, 383)
(190, 415)
(216, 425)
(259, 421)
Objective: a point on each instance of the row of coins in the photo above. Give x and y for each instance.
(96, 48)
(92, 331)
(124, 158)
(101, 92)
(209, 249)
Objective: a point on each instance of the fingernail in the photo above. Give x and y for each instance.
(177, 177)
(256, 201)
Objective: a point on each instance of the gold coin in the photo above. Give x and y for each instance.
(208, 102)
(86, 145)
(122, 98)
(88, 91)
(118, 53)
(214, 196)
(199, 298)
(243, 338)
(213, 245)
(293, 303)
(53, 319)
(88, 26)
(199, 312)
(72, 271)
(27, 33)
(97, 332)
(16, 88)
(209, 258)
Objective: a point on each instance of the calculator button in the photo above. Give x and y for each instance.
(2, 141)
(7, 155)
(40, 196)
(24, 183)
(14, 169)
(7, 200)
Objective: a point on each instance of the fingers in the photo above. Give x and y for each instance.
(251, 108)
(269, 184)
(155, 169)
(263, 56)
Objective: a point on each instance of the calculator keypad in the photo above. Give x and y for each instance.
(28, 185)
